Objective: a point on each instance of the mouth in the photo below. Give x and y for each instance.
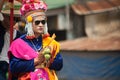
(40, 28)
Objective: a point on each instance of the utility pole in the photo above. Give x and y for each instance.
(68, 27)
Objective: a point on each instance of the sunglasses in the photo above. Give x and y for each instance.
(37, 22)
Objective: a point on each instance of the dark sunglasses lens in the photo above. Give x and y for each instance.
(38, 22)
(43, 22)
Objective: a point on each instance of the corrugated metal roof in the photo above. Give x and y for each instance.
(91, 44)
(90, 7)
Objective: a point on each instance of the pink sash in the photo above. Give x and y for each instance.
(22, 50)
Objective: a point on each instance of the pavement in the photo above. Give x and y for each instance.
(91, 44)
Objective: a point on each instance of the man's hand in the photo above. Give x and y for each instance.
(39, 60)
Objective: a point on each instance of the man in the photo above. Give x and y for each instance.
(35, 55)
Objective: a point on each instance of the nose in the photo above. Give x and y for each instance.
(40, 24)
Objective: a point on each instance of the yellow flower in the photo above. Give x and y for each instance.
(29, 19)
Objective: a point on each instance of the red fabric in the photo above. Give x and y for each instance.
(11, 33)
(25, 76)
(11, 22)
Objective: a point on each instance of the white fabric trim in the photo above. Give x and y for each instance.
(46, 29)
(1, 17)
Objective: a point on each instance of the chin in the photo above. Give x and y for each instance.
(40, 32)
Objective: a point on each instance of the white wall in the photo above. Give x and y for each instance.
(103, 24)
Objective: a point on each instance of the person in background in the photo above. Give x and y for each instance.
(6, 38)
(35, 55)
(3, 63)
(5, 42)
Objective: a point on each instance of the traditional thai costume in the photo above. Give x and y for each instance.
(24, 49)
(22, 53)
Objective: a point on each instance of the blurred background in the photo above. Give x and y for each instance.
(89, 34)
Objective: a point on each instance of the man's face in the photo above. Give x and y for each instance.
(38, 24)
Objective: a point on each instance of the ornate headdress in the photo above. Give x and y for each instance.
(31, 5)
(29, 9)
